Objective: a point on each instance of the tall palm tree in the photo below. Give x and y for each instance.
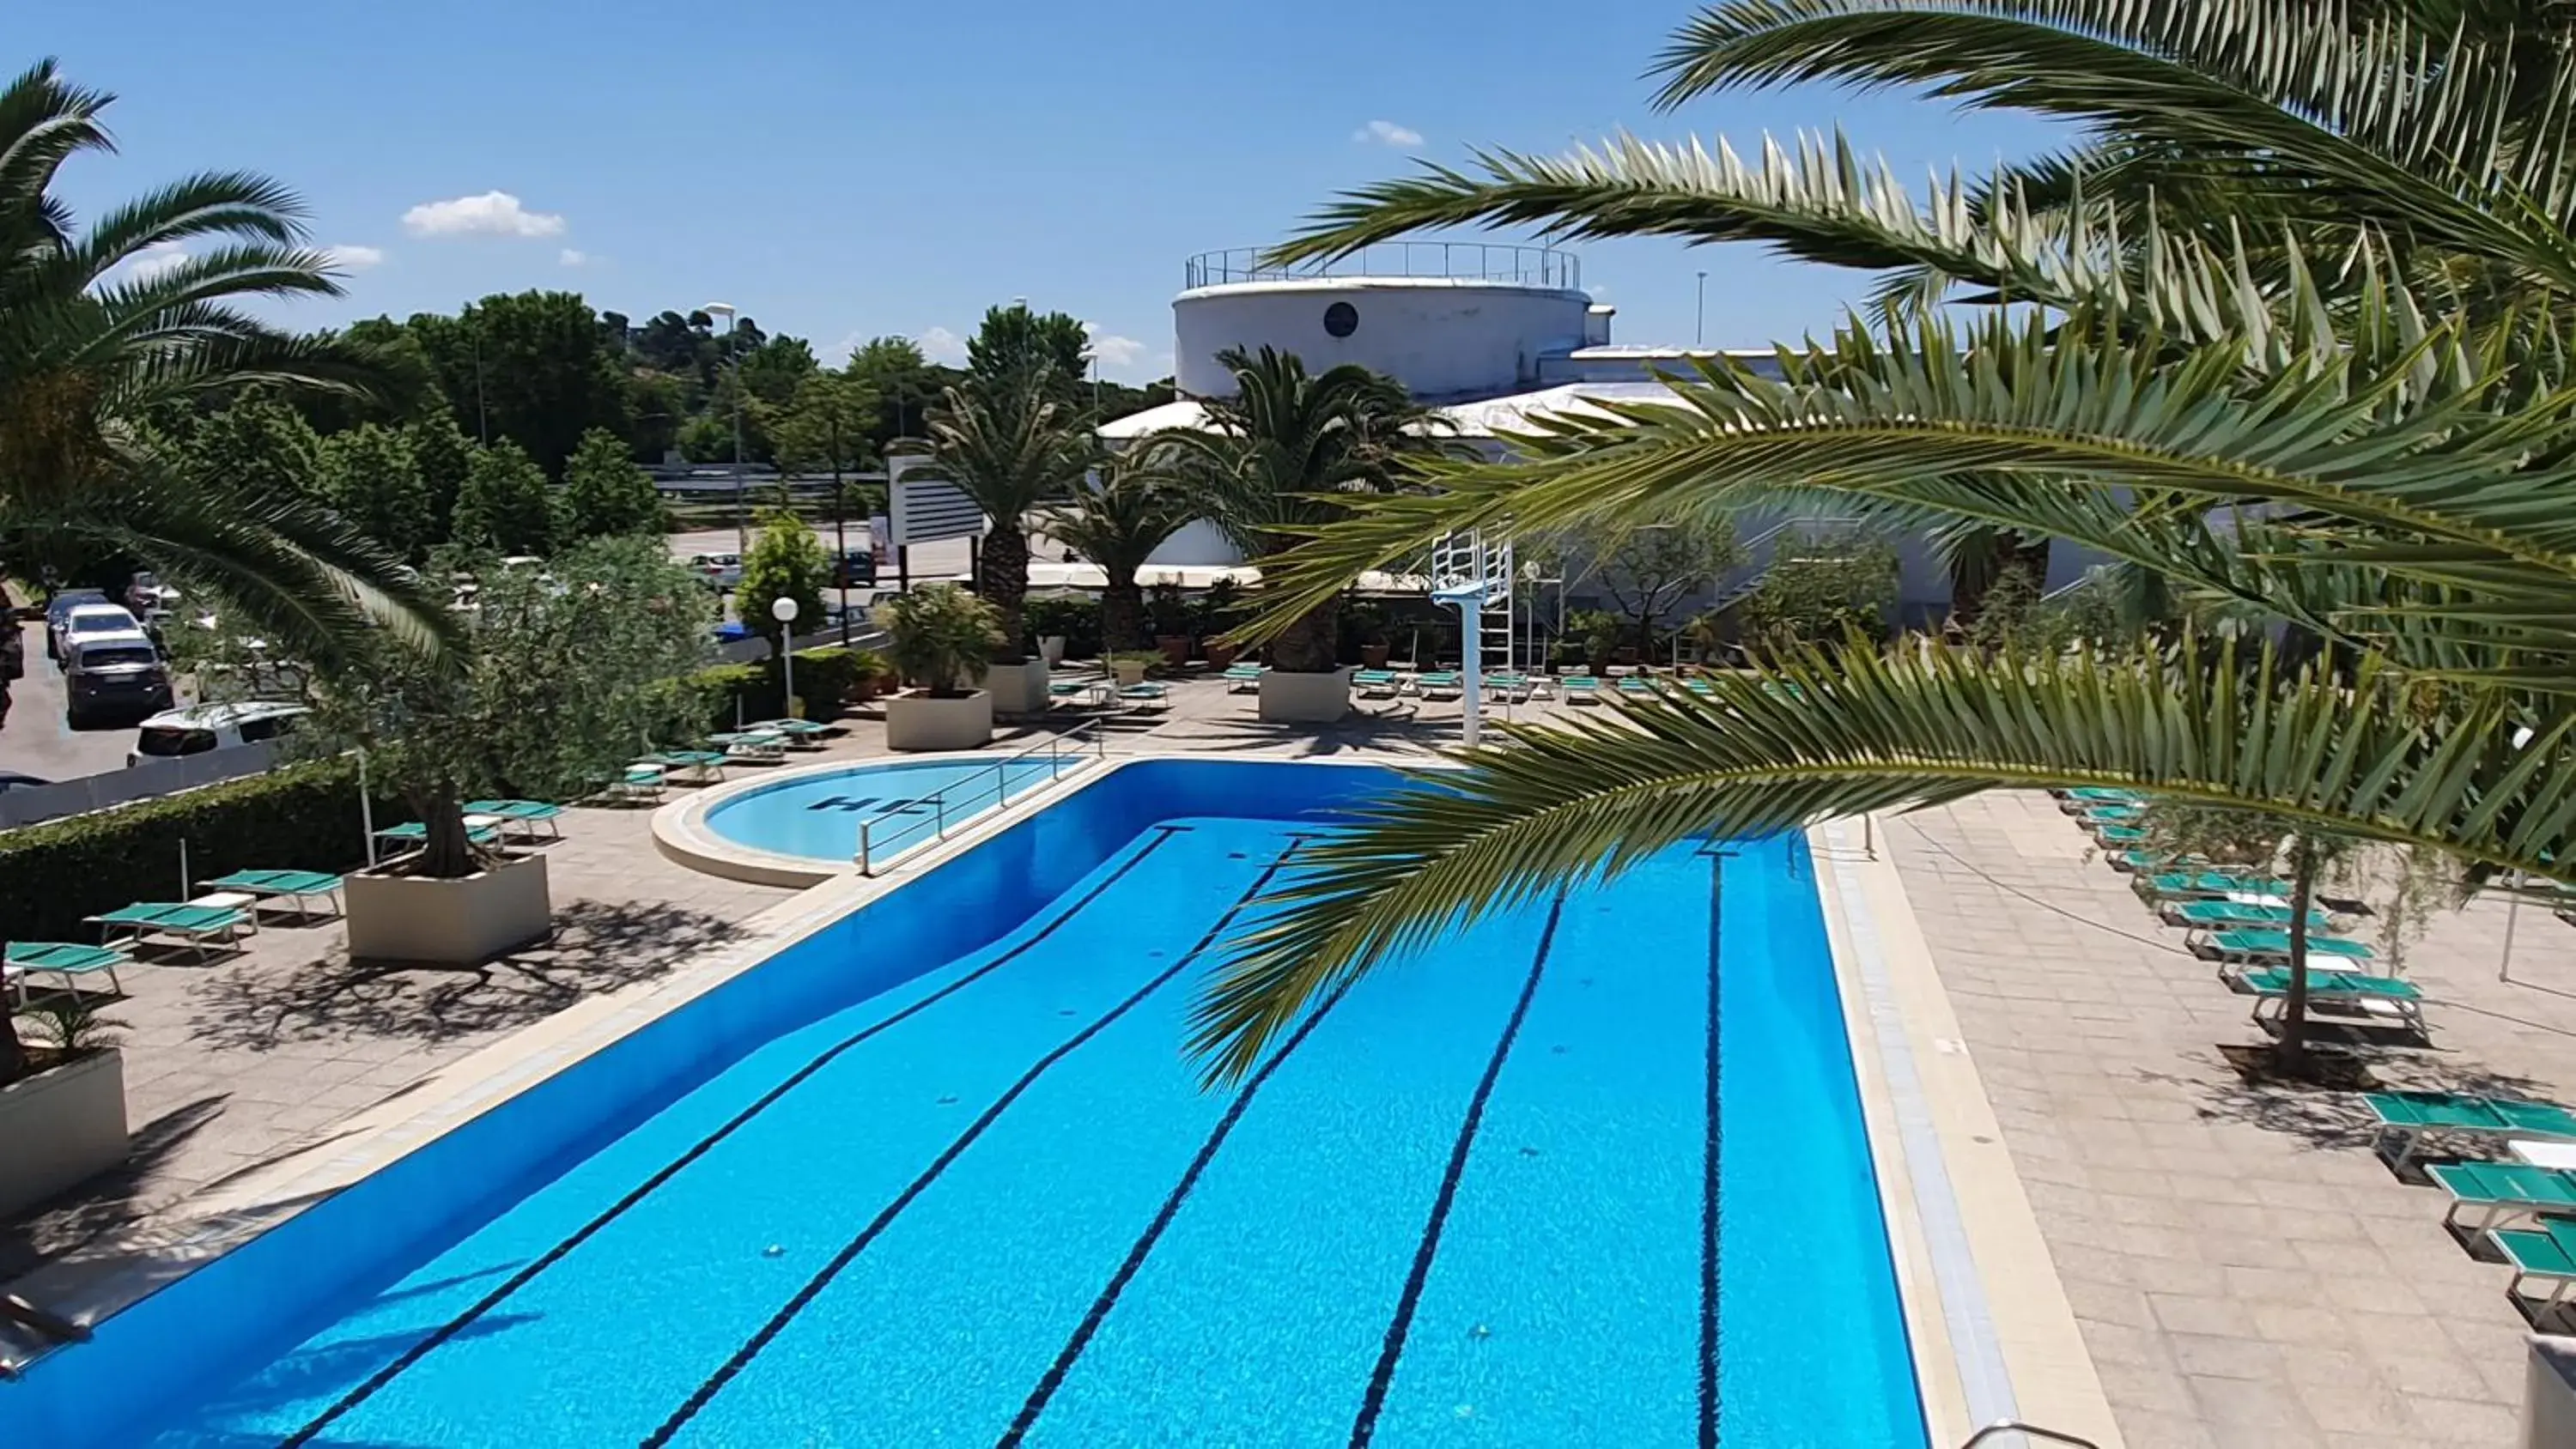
(2292, 335)
(1287, 453)
(1012, 444)
(1117, 523)
(99, 328)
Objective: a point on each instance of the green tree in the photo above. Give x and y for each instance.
(505, 506)
(823, 427)
(1117, 523)
(1817, 588)
(605, 494)
(445, 457)
(92, 348)
(371, 477)
(2286, 328)
(904, 383)
(786, 561)
(939, 637)
(532, 367)
(773, 371)
(1010, 445)
(1014, 340)
(1286, 454)
(1646, 571)
(265, 447)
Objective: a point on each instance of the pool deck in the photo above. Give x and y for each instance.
(2240, 1269)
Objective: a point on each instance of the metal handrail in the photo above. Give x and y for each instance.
(2027, 1431)
(1529, 266)
(1053, 746)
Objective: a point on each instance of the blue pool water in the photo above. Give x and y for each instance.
(818, 816)
(1589, 1173)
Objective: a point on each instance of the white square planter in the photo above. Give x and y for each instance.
(60, 1128)
(454, 922)
(1018, 688)
(919, 722)
(1305, 698)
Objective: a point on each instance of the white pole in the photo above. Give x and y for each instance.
(787, 663)
(184, 892)
(366, 809)
(2512, 914)
(1471, 645)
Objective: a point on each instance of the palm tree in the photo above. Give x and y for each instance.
(1011, 444)
(1287, 453)
(92, 344)
(1117, 523)
(2291, 334)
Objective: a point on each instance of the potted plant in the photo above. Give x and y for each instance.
(940, 639)
(1598, 629)
(872, 675)
(62, 1100)
(1367, 624)
(1171, 623)
(1131, 666)
(1218, 610)
(562, 676)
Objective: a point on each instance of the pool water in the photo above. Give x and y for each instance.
(1588, 1173)
(818, 816)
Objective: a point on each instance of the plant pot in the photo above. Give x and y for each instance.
(1221, 656)
(1305, 698)
(60, 1128)
(920, 722)
(1129, 671)
(1175, 647)
(460, 922)
(1019, 688)
(1373, 656)
(1051, 649)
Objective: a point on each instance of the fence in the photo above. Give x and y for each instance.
(148, 780)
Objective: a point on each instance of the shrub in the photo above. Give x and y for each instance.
(301, 817)
(941, 637)
(1077, 620)
(825, 679)
(737, 692)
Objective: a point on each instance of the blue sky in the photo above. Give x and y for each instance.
(845, 170)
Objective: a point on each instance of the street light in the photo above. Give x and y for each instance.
(1699, 324)
(783, 609)
(741, 519)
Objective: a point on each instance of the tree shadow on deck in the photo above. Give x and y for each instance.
(108, 1201)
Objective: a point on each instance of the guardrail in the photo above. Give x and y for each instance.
(1526, 266)
(994, 779)
(147, 781)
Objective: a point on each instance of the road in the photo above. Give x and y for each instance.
(37, 742)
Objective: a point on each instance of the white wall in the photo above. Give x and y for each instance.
(1440, 338)
(1199, 544)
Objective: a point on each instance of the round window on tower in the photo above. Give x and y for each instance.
(1341, 319)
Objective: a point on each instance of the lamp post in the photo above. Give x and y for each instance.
(741, 519)
(783, 609)
(1699, 323)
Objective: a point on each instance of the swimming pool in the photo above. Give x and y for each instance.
(1591, 1173)
(817, 816)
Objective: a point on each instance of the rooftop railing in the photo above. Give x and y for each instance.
(1525, 266)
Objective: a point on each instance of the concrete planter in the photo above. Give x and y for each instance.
(59, 1128)
(1128, 671)
(1016, 688)
(455, 922)
(1305, 698)
(921, 722)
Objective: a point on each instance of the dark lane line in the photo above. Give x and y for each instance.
(376, 1382)
(752, 1347)
(1709, 1409)
(1364, 1427)
(1108, 1299)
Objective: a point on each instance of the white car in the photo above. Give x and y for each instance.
(723, 571)
(90, 620)
(203, 727)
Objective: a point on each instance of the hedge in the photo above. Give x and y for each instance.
(825, 680)
(298, 817)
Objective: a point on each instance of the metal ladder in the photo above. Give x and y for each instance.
(43, 1322)
(2027, 1431)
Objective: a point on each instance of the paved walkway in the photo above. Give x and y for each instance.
(2245, 1271)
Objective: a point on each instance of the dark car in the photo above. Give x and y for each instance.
(12, 780)
(117, 674)
(58, 608)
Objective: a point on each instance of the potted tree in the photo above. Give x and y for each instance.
(563, 675)
(1132, 665)
(62, 1101)
(1368, 629)
(1171, 623)
(939, 639)
(1218, 609)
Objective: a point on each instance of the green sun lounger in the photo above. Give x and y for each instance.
(294, 885)
(1581, 689)
(2218, 884)
(2274, 945)
(1374, 683)
(2543, 1257)
(2500, 1192)
(2228, 915)
(1241, 678)
(1145, 696)
(2145, 863)
(195, 926)
(706, 765)
(2381, 998)
(2094, 797)
(1439, 684)
(531, 816)
(66, 959)
(2120, 835)
(2407, 1120)
(1636, 684)
(794, 729)
(416, 833)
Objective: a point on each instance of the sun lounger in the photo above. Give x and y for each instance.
(706, 765)
(1080, 693)
(756, 745)
(1636, 686)
(2381, 998)
(480, 829)
(2407, 1120)
(2227, 915)
(68, 960)
(1242, 678)
(2119, 835)
(1147, 696)
(1508, 687)
(1374, 683)
(294, 885)
(2274, 945)
(530, 816)
(1440, 684)
(2094, 797)
(638, 782)
(1581, 689)
(2499, 1192)
(2544, 1258)
(2207, 885)
(2144, 863)
(194, 926)
(800, 734)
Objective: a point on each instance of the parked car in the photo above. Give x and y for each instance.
(858, 569)
(203, 727)
(111, 673)
(722, 571)
(147, 594)
(91, 621)
(58, 608)
(12, 780)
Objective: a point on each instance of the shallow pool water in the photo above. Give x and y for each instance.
(902, 805)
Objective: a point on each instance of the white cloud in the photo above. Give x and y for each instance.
(1117, 354)
(494, 213)
(1388, 133)
(943, 347)
(155, 259)
(574, 257)
(350, 257)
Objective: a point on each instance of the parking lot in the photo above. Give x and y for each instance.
(37, 742)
